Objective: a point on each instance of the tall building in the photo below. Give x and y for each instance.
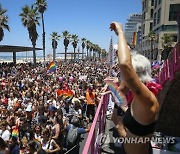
(158, 16)
(129, 26)
(164, 22)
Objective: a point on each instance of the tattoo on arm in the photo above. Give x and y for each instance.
(133, 86)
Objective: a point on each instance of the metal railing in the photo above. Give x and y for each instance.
(91, 146)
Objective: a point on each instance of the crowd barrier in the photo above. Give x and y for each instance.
(167, 73)
(170, 67)
(98, 124)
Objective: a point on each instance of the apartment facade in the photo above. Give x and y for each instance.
(158, 16)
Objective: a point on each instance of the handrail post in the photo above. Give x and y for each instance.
(91, 136)
(93, 143)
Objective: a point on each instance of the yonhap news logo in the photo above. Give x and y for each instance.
(104, 139)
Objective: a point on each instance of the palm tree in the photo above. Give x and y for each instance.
(167, 42)
(104, 53)
(30, 19)
(42, 6)
(66, 37)
(75, 40)
(55, 37)
(3, 22)
(92, 50)
(88, 47)
(96, 49)
(99, 51)
(152, 38)
(83, 40)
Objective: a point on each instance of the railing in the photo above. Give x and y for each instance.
(167, 73)
(170, 68)
(91, 145)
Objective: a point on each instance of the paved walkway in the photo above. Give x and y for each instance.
(111, 134)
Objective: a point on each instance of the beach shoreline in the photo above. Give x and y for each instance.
(29, 60)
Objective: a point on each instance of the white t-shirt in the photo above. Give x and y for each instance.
(47, 145)
(5, 135)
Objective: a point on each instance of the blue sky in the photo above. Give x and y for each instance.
(86, 18)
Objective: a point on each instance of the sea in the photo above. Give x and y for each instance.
(25, 58)
(20, 59)
(17, 57)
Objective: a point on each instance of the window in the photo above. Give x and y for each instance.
(159, 2)
(151, 25)
(155, 3)
(155, 17)
(143, 28)
(159, 16)
(174, 8)
(143, 6)
(152, 2)
(152, 13)
(169, 28)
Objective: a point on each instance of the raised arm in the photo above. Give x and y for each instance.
(132, 81)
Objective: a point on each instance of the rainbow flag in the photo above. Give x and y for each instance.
(15, 132)
(120, 98)
(51, 67)
(69, 93)
(65, 92)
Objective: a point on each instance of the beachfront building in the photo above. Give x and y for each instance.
(129, 26)
(158, 16)
(146, 25)
(165, 16)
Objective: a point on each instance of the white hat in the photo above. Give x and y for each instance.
(75, 100)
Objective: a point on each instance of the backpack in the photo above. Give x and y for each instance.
(72, 136)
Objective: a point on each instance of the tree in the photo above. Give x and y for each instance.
(83, 40)
(55, 37)
(66, 37)
(30, 20)
(167, 42)
(3, 22)
(88, 47)
(74, 40)
(96, 50)
(104, 53)
(99, 50)
(152, 38)
(42, 6)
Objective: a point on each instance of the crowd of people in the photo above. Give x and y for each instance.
(46, 112)
(40, 111)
